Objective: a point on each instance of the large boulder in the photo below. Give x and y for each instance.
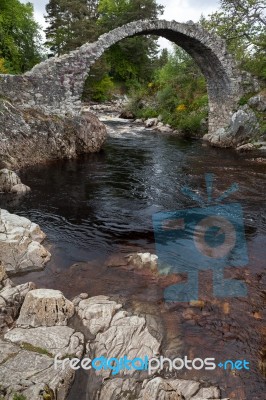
(53, 340)
(28, 137)
(29, 350)
(11, 183)
(20, 244)
(241, 129)
(96, 313)
(45, 307)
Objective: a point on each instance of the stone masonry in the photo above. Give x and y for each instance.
(55, 85)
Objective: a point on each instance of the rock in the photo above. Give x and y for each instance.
(151, 122)
(20, 244)
(97, 312)
(28, 136)
(11, 299)
(11, 183)
(157, 389)
(258, 102)
(243, 127)
(126, 335)
(20, 189)
(53, 340)
(138, 121)
(164, 129)
(245, 147)
(126, 115)
(31, 371)
(45, 307)
(144, 260)
(3, 274)
(8, 179)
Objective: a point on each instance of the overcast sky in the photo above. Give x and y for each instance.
(179, 10)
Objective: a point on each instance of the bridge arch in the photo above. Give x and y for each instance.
(58, 82)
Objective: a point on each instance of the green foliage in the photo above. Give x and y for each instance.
(70, 24)
(39, 350)
(242, 24)
(178, 93)
(101, 91)
(19, 397)
(132, 58)
(19, 37)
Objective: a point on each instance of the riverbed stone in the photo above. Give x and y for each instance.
(31, 372)
(54, 340)
(126, 335)
(20, 244)
(97, 312)
(144, 260)
(20, 189)
(241, 129)
(149, 123)
(45, 307)
(8, 179)
(11, 299)
(157, 389)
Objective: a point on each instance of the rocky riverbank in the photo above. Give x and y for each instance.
(29, 137)
(245, 131)
(43, 324)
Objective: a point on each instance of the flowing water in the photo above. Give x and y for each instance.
(99, 208)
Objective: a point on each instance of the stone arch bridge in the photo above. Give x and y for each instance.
(55, 86)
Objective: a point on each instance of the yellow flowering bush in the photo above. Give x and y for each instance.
(181, 108)
(3, 69)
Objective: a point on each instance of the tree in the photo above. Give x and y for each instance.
(71, 24)
(242, 24)
(132, 58)
(20, 47)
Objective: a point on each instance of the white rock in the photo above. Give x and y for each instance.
(144, 260)
(151, 122)
(20, 189)
(55, 339)
(97, 312)
(157, 389)
(127, 335)
(45, 307)
(20, 244)
(8, 179)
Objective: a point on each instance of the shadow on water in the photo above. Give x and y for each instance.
(101, 206)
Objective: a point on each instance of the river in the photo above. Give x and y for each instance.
(97, 209)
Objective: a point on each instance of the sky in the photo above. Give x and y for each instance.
(178, 10)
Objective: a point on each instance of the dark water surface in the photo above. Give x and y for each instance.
(101, 206)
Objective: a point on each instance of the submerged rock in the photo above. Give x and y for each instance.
(20, 244)
(144, 260)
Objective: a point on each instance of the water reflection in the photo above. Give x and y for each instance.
(102, 205)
